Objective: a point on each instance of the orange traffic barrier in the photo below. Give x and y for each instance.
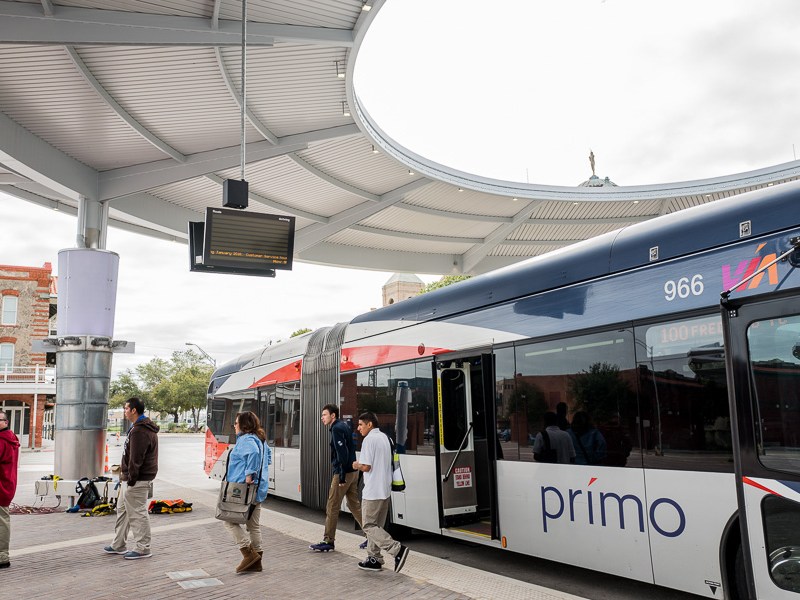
(107, 468)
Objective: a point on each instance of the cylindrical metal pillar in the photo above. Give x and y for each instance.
(86, 307)
(83, 367)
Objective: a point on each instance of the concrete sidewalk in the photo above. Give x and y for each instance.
(61, 555)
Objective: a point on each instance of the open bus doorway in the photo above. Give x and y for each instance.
(466, 445)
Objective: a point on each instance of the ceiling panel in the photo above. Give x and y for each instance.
(180, 96)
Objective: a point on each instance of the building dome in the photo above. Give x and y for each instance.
(594, 181)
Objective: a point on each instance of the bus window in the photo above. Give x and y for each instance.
(509, 441)
(216, 418)
(285, 424)
(781, 520)
(401, 397)
(774, 348)
(224, 411)
(684, 395)
(591, 377)
(421, 411)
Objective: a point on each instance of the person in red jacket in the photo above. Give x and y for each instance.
(9, 459)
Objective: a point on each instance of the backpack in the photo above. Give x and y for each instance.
(88, 496)
(548, 453)
(159, 507)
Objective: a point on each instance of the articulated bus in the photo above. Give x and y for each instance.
(678, 338)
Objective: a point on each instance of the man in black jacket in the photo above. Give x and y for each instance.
(138, 469)
(344, 483)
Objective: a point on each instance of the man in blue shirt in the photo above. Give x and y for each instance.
(344, 483)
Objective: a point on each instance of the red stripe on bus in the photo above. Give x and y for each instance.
(749, 481)
(214, 450)
(290, 372)
(359, 357)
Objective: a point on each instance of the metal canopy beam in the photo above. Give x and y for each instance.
(121, 112)
(32, 157)
(145, 210)
(477, 253)
(289, 210)
(313, 234)
(378, 259)
(23, 23)
(120, 182)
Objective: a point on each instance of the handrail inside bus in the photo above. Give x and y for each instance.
(795, 242)
(460, 448)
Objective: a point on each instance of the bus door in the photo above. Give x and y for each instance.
(762, 341)
(266, 412)
(466, 454)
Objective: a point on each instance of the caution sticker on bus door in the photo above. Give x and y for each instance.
(462, 477)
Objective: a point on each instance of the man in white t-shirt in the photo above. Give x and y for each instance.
(376, 464)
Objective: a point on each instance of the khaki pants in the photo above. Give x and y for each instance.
(5, 533)
(374, 514)
(132, 516)
(335, 495)
(253, 527)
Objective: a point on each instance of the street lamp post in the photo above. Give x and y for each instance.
(205, 354)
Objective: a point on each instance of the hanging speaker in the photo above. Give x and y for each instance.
(234, 193)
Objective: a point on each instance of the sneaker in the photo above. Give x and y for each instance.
(133, 555)
(370, 564)
(363, 545)
(111, 550)
(5, 565)
(322, 547)
(400, 559)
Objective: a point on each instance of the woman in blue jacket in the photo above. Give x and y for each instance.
(248, 462)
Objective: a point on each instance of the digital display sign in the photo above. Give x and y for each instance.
(235, 239)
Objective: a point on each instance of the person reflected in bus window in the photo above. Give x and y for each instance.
(552, 445)
(618, 442)
(344, 483)
(561, 412)
(589, 443)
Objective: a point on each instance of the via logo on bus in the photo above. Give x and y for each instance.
(731, 274)
(664, 514)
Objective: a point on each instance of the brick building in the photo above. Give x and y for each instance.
(27, 378)
(401, 286)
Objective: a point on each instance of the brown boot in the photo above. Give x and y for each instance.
(249, 557)
(256, 566)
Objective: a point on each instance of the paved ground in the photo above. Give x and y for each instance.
(60, 555)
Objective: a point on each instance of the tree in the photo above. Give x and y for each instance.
(166, 386)
(444, 282)
(601, 391)
(300, 332)
(123, 388)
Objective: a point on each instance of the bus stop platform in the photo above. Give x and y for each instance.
(60, 555)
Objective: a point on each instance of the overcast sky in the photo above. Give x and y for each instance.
(522, 90)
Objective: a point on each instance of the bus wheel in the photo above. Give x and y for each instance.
(740, 576)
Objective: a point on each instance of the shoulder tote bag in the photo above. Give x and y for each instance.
(236, 501)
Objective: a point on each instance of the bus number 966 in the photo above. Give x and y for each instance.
(683, 287)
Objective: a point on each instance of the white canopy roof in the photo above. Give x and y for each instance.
(142, 110)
